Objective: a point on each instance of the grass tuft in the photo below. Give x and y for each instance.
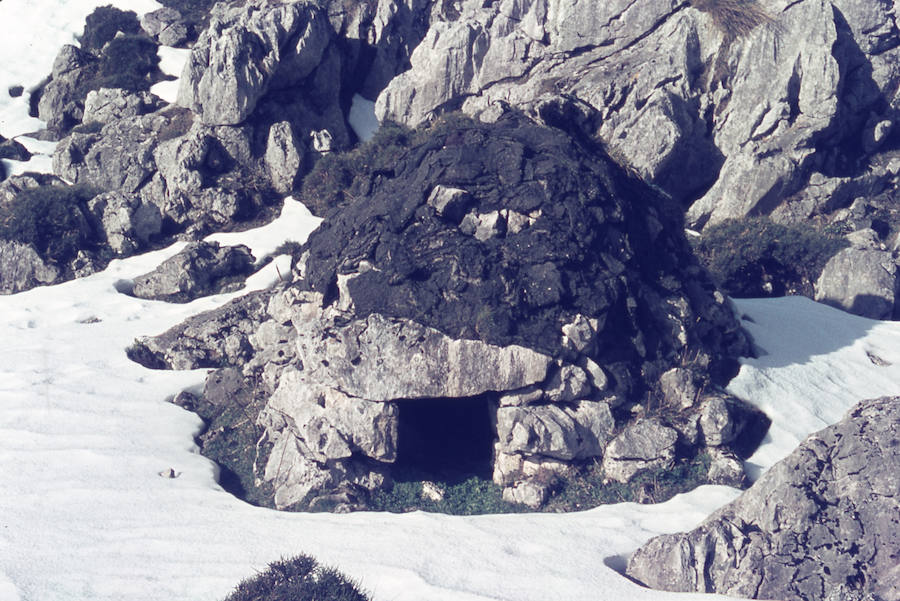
(300, 578)
(734, 18)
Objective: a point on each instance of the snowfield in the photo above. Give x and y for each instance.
(88, 439)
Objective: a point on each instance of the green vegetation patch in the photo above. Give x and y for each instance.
(756, 257)
(471, 496)
(300, 578)
(588, 488)
(583, 489)
(52, 219)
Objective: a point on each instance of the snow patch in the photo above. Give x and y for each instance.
(171, 62)
(295, 224)
(362, 118)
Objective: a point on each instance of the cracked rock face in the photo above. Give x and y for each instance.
(732, 119)
(822, 523)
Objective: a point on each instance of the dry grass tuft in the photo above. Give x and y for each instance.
(735, 18)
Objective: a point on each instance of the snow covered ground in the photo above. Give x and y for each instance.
(85, 435)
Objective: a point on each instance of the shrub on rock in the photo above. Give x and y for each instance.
(756, 257)
(298, 579)
(104, 23)
(127, 62)
(52, 219)
(339, 177)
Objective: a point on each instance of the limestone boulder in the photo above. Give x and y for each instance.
(201, 269)
(382, 359)
(553, 431)
(110, 104)
(330, 424)
(216, 338)
(861, 281)
(21, 268)
(249, 50)
(127, 221)
(166, 25)
(837, 494)
(59, 106)
(284, 157)
(118, 158)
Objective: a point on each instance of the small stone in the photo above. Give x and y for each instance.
(678, 388)
(449, 203)
(432, 492)
(725, 469)
(569, 383)
(643, 445)
(322, 141)
(528, 493)
(716, 422)
(580, 334)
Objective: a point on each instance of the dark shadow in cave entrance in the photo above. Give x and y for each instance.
(446, 440)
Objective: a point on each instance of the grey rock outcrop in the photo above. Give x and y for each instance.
(21, 268)
(245, 53)
(861, 281)
(697, 100)
(111, 104)
(201, 269)
(822, 522)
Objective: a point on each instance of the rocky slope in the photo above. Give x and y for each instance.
(264, 95)
(822, 524)
(756, 95)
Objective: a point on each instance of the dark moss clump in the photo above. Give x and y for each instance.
(297, 579)
(52, 219)
(756, 257)
(339, 177)
(104, 23)
(127, 61)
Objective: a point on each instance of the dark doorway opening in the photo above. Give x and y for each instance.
(445, 440)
